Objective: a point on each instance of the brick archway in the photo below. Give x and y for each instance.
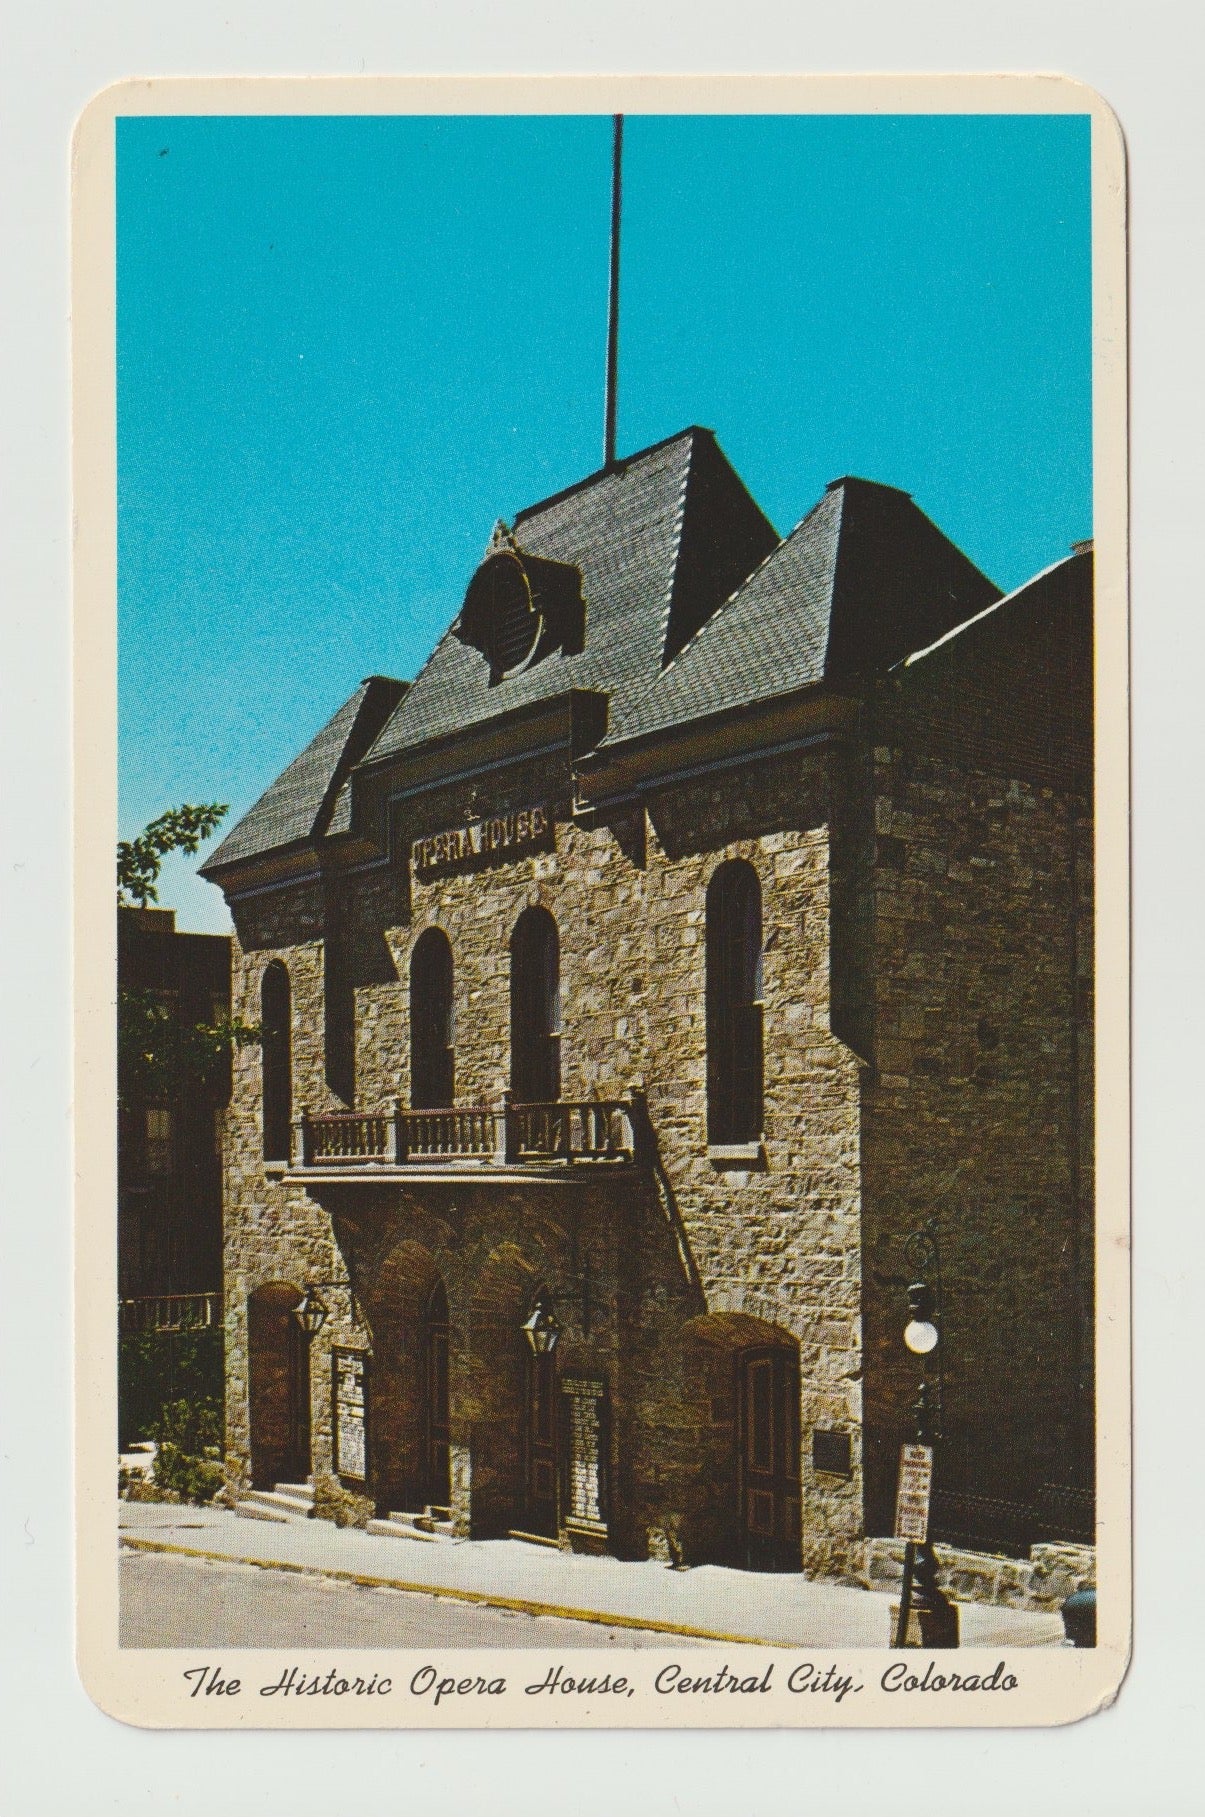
(495, 1404)
(397, 1302)
(278, 1387)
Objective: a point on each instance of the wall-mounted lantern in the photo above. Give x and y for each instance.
(311, 1312)
(542, 1328)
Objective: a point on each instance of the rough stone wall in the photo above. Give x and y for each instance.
(776, 1238)
(773, 1236)
(978, 1112)
(274, 1232)
(1044, 1580)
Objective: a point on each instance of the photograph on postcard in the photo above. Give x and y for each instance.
(606, 1046)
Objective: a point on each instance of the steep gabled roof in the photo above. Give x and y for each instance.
(692, 608)
(659, 541)
(298, 805)
(862, 581)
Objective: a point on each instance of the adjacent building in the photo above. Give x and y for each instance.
(712, 910)
(170, 1115)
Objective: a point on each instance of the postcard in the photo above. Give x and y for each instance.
(601, 655)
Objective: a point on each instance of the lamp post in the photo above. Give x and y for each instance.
(936, 1615)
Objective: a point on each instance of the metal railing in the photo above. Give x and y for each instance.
(968, 1519)
(589, 1130)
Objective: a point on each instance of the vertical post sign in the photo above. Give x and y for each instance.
(350, 1388)
(912, 1496)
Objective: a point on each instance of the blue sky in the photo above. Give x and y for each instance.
(346, 346)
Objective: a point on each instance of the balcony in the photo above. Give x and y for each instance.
(481, 1139)
(169, 1312)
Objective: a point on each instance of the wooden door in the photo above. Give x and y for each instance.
(437, 1460)
(541, 1511)
(279, 1389)
(768, 1387)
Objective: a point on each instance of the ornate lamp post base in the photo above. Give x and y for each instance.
(922, 1597)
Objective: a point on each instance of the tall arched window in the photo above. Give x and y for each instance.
(432, 1030)
(535, 1008)
(276, 1054)
(734, 1005)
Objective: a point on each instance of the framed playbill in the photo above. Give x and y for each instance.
(601, 655)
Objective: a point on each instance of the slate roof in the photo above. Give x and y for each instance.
(297, 806)
(865, 579)
(693, 607)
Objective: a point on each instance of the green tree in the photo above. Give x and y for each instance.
(179, 830)
(157, 1054)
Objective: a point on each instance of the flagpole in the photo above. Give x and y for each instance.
(613, 299)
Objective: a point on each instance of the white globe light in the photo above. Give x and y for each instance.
(920, 1336)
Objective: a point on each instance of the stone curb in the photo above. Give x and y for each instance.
(483, 1598)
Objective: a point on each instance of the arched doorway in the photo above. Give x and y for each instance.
(437, 1452)
(407, 1308)
(535, 1009)
(745, 1372)
(278, 1387)
(497, 1392)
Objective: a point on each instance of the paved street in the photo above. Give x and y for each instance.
(534, 1594)
(169, 1601)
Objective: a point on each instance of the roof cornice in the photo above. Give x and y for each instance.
(745, 732)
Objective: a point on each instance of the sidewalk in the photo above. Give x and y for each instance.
(709, 1601)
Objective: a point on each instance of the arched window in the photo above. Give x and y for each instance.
(277, 1061)
(734, 1006)
(535, 1009)
(432, 1030)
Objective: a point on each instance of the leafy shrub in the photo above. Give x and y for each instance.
(158, 1366)
(191, 1425)
(188, 1435)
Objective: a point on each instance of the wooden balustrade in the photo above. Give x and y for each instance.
(169, 1312)
(585, 1130)
(593, 1129)
(343, 1135)
(458, 1134)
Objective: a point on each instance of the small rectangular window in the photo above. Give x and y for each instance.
(160, 1130)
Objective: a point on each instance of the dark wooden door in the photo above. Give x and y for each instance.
(541, 1512)
(769, 1459)
(437, 1462)
(279, 1389)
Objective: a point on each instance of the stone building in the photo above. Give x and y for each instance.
(711, 911)
(169, 1149)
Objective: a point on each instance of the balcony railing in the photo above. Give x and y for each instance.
(589, 1130)
(169, 1312)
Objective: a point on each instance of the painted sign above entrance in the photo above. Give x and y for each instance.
(499, 836)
